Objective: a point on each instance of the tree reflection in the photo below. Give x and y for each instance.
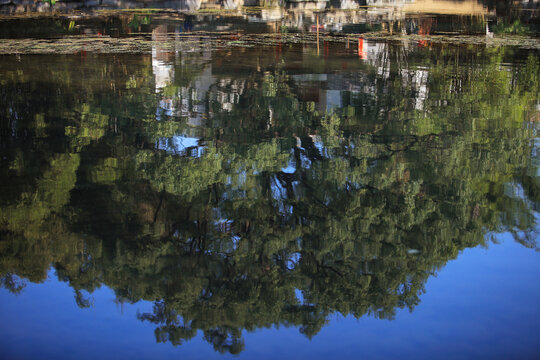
(273, 198)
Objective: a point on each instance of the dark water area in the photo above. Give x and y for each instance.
(359, 198)
(336, 22)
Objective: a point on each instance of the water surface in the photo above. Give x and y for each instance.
(355, 198)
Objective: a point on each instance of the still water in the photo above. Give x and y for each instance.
(353, 199)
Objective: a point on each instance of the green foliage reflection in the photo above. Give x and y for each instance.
(222, 200)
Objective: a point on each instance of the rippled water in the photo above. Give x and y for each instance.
(279, 199)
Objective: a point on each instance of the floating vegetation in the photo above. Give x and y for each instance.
(517, 41)
(195, 41)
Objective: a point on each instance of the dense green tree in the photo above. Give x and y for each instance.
(276, 194)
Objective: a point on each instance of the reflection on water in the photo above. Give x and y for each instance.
(422, 17)
(458, 7)
(434, 6)
(248, 187)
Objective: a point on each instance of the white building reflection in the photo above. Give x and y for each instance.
(199, 91)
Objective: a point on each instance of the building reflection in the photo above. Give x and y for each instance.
(200, 86)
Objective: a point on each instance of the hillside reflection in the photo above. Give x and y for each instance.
(246, 188)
